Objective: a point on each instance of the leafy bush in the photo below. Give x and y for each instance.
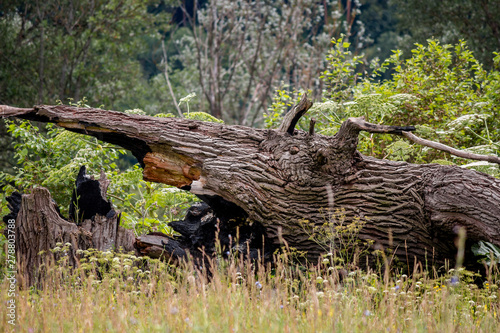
(442, 89)
(51, 157)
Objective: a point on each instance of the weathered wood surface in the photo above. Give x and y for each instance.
(276, 178)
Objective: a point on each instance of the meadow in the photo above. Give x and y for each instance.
(113, 292)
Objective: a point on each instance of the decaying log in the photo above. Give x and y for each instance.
(274, 179)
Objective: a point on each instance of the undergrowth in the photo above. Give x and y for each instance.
(116, 292)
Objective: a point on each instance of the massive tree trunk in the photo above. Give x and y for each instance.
(276, 179)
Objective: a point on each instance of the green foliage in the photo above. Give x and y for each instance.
(450, 92)
(489, 252)
(54, 50)
(340, 77)
(52, 159)
(147, 206)
(442, 89)
(203, 116)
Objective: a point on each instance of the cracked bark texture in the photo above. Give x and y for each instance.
(280, 177)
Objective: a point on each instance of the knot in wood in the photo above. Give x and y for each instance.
(294, 150)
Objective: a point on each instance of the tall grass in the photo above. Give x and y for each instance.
(121, 293)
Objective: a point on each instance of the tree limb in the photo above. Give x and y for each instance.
(450, 150)
(293, 116)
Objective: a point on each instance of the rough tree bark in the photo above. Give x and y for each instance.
(273, 179)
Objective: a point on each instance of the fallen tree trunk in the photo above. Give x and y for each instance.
(276, 179)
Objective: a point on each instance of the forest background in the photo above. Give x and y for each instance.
(433, 64)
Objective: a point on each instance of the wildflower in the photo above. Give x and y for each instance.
(319, 279)
(320, 294)
(454, 280)
(367, 313)
(258, 285)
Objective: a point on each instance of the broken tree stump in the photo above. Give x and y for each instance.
(40, 227)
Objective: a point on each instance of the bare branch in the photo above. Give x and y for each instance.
(450, 150)
(165, 71)
(352, 126)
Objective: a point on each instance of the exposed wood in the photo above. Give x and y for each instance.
(277, 178)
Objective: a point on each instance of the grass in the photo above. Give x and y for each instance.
(121, 293)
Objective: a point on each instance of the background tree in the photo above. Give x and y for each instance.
(477, 22)
(60, 50)
(238, 52)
